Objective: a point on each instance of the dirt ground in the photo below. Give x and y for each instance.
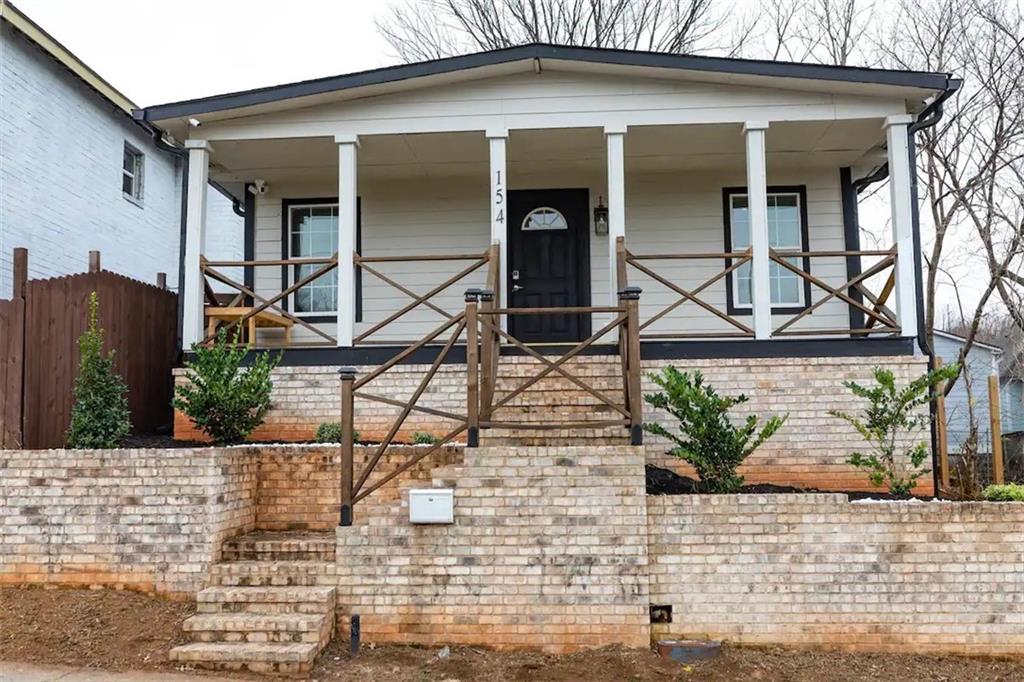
(127, 631)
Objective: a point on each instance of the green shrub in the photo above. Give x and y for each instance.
(892, 412)
(100, 416)
(1011, 492)
(330, 432)
(225, 401)
(421, 438)
(709, 441)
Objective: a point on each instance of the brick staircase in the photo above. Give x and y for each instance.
(557, 399)
(270, 608)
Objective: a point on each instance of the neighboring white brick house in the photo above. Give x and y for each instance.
(61, 153)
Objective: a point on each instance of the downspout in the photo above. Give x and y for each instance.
(157, 135)
(926, 119)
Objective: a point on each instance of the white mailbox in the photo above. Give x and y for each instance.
(432, 505)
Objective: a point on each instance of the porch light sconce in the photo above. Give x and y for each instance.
(600, 218)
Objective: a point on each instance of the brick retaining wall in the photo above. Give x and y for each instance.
(818, 570)
(810, 450)
(150, 520)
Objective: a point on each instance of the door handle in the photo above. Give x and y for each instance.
(516, 287)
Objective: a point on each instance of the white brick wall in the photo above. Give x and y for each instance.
(61, 148)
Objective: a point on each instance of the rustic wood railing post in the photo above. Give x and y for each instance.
(161, 280)
(489, 351)
(347, 376)
(630, 296)
(94, 261)
(621, 275)
(472, 370)
(995, 418)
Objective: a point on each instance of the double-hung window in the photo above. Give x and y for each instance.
(787, 231)
(313, 233)
(131, 173)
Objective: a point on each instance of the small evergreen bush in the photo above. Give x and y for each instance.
(421, 438)
(709, 441)
(330, 432)
(223, 400)
(1011, 492)
(892, 412)
(100, 416)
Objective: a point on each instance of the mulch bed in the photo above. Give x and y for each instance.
(119, 630)
(666, 482)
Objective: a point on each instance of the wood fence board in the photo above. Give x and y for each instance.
(140, 324)
(12, 320)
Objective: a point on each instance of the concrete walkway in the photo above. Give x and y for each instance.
(28, 672)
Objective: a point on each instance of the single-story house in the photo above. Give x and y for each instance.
(556, 177)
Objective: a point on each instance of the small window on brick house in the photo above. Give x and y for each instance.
(131, 174)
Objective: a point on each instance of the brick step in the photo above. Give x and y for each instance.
(285, 628)
(281, 546)
(270, 573)
(257, 657)
(265, 600)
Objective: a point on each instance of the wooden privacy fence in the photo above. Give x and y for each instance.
(39, 330)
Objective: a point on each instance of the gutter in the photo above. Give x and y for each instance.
(926, 119)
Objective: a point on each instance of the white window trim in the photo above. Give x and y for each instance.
(800, 231)
(138, 176)
(291, 268)
(564, 226)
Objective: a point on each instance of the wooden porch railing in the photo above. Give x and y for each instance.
(368, 264)
(878, 313)
(734, 260)
(481, 320)
(209, 270)
(879, 318)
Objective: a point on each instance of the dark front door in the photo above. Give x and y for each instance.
(549, 262)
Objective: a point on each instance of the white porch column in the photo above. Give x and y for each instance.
(615, 139)
(757, 202)
(496, 140)
(897, 141)
(347, 215)
(195, 241)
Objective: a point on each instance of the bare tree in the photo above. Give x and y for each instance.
(429, 29)
(970, 163)
(822, 31)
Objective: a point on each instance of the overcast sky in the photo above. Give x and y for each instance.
(164, 52)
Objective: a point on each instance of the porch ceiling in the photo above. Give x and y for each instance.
(648, 149)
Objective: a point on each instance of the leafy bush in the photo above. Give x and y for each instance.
(100, 416)
(225, 401)
(709, 441)
(330, 432)
(1011, 492)
(893, 411)
(421, 438)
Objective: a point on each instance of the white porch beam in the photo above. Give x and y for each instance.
(348, 192)
(615, 139)
(496, 140)
(195, 241)
(898, 141)
(757, 208)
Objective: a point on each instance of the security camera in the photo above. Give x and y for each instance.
(258, 187)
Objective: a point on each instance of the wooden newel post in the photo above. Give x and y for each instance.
(161, 280)
(630, 297)
(472, 370)
(347, 376)
(488, 355)
(94, 261)
(995, 418)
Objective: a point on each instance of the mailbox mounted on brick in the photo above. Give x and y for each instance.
(432, 505)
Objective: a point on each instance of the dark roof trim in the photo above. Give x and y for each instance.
(247, 98)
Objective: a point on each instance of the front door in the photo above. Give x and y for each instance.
(549, 262)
